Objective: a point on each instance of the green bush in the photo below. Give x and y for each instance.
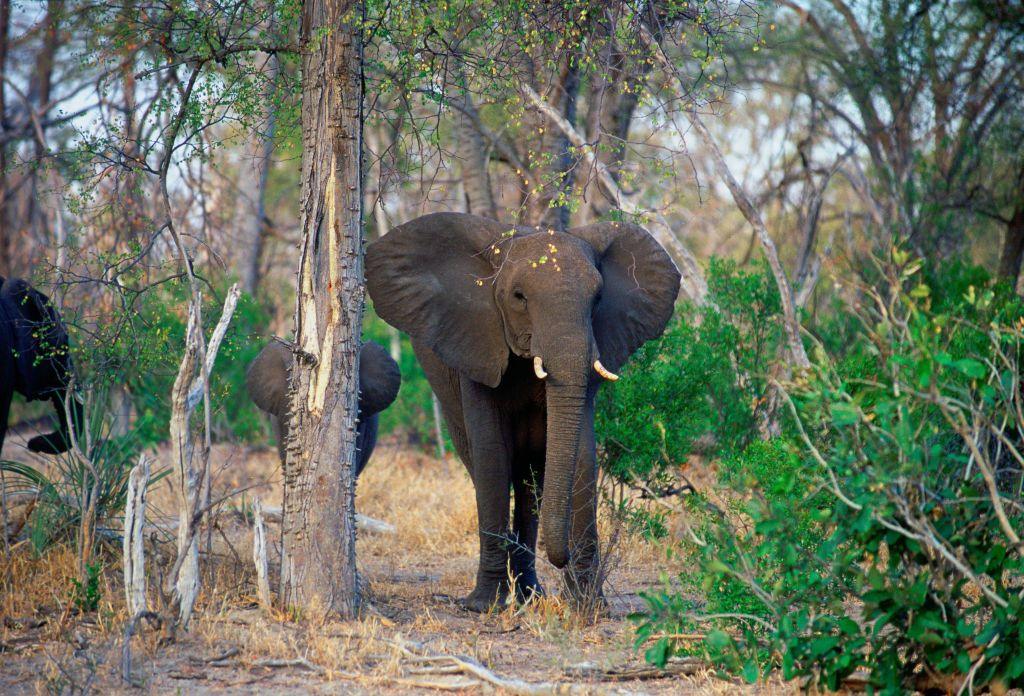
(158, 343)
(883, 534)
(411, 415)
(698, 384)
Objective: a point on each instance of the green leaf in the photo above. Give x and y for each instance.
(970, 367)
(658, 653)
(845, 413)
(751, 672)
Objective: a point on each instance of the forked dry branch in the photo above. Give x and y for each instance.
(183, 580)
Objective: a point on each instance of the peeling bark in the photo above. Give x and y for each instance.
(318, 571)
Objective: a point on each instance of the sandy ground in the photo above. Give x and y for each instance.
(412, 575)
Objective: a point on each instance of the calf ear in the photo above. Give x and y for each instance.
(641, 284)
(379, 380)
(267, 378)
(35, 312)
(431, 278)
(40, 338)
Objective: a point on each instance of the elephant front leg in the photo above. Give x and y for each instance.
(492, 504)
(491, 457)
(523, 555)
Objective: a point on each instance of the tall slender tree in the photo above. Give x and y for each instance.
(318, 572)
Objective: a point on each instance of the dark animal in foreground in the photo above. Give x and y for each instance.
(379, 380)
(516, 330)
(35, 361)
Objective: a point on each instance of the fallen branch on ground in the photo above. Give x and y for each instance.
(296, 662)
(684, 666)
(470, 667)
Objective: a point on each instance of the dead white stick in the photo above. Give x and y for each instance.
(230, 302)
(259, 554)
(134, 553)
(369, 524)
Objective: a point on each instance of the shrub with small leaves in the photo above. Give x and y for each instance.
(897, 547)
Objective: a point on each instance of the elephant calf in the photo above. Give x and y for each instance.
(34, 360)
(379, 380)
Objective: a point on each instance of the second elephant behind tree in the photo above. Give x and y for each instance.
(379, 381)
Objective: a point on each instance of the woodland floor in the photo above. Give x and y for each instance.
(413, 575)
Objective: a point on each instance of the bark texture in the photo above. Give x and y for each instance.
(318, 571)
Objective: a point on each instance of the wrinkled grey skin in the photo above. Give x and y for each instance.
(480, 302)
(379, 380)
(34, 360)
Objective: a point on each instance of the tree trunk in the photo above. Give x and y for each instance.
(39, 92)
(472, 153)
(1013, 243)
(318, 571)
(1013, 247)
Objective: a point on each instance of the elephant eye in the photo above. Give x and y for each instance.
(518, 294)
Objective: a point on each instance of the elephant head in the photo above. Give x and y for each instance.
(35, 347)
(379, 381)
(576, 303)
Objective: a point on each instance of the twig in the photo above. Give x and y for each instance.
(695, 285)
(296, 662)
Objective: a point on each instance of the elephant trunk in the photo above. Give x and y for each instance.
(566, 404)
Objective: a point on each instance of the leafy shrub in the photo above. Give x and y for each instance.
(894, 546)
(158, 343)
(698, 383)
(411, 415)
(86, 593)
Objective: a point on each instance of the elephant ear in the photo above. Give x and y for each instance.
(40, 338)
(267, 378)
(379, 380)
(641, 284)
(431, 278)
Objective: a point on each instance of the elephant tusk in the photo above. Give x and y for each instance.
(538, 367)
(605, 372)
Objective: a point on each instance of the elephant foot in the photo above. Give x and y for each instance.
(486, 597)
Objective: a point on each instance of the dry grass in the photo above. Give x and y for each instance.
(412, 577)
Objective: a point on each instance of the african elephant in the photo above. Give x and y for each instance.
(34, 360)
(515, 329)
(379, 380)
